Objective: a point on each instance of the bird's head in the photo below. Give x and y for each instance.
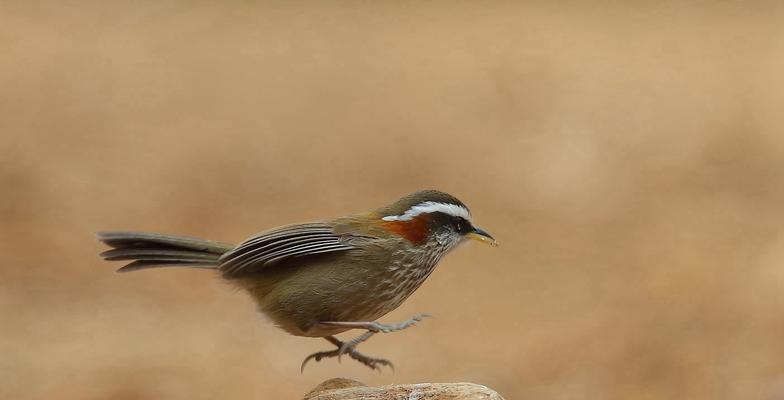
(432, 217)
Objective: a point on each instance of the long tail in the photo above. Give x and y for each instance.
(154, 250)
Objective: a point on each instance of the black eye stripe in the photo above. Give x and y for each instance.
(461, 225)
(453, 222)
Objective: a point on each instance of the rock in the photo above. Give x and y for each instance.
(348, 389)
(332, 384)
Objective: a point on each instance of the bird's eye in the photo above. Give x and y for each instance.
(461, 226)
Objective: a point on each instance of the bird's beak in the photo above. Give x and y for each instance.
(482, 236)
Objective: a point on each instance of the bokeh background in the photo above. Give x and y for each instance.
(629, 157)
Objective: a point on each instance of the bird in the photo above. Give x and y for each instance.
(322, 278)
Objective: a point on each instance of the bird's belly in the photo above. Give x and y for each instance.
(384, 295)
(298, 303)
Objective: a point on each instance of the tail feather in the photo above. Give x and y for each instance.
(154, 250)
(120, 239)
(155, 254)
(137, 265)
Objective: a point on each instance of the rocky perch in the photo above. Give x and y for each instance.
(347, 389)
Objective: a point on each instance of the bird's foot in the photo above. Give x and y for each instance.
(348, 348)
(374, 363)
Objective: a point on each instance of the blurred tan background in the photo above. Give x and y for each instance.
(630, 159)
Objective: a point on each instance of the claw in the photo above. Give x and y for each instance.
(317, 356)
(372, 363)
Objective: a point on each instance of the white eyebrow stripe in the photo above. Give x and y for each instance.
(430, 207)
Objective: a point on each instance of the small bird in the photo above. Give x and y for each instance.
(321, 278)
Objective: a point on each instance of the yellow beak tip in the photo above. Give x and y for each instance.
(483, 239)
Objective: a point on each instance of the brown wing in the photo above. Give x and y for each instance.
(270, 247)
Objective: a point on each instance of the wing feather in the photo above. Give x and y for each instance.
(250, 252)
(270, 247)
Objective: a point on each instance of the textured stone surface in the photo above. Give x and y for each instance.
(345, 389)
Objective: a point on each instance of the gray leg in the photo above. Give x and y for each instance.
(377, 326)
(346, 346)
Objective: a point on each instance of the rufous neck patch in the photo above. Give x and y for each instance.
(414, 230)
